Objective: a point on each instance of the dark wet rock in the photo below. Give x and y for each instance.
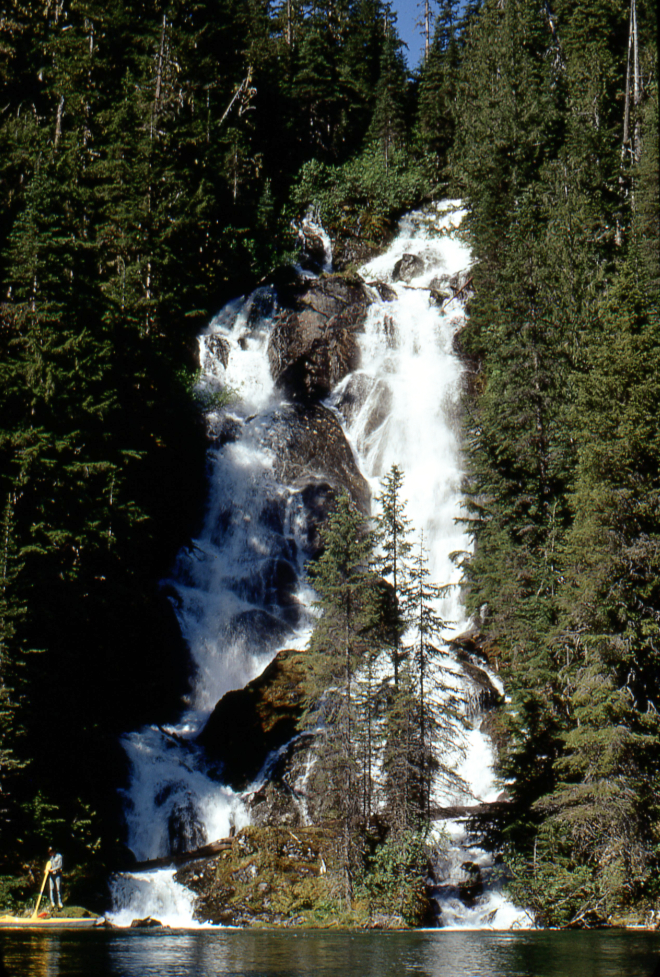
(314, 458)
(460, 282)
(475, 642)
(271, 583)
(283, 798)
(362, 390)
(147, 923)
(440, 291)
(248, 724)
(259, 627)
(184, 827)
(220, 348)
(385, 291)
(224, 429)
(471, 885)
(407, 267)
(312, 252)
(312, 345)
(260, 304)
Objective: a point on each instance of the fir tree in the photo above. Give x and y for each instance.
(339, 646)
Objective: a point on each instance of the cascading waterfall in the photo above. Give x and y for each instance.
(240, 590)
(402, 407)
(239, 593)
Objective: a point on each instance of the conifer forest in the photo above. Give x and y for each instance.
(156, 160)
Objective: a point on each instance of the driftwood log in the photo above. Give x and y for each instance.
(206, 851)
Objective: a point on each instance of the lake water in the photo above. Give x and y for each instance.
(238, 953)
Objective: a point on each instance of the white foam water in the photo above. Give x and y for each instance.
(153, 895)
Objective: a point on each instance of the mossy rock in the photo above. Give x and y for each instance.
(274, 876)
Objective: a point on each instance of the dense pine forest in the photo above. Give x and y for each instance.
(156, 160)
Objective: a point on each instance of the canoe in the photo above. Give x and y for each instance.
(18, 922)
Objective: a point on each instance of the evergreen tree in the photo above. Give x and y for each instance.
(392, 538)
(436, 118)
(340, 643)
(388, 124)
(436, 691)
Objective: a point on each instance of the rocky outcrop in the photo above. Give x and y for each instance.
(407, 267)
(269, 877)
(353, 252)
(312, 344)
(475, 642)
(440, 290)
(249, 724)
(282, 877)
(314, 458)
(362, 390)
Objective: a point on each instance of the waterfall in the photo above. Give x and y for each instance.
(240, 591)
(403, 407)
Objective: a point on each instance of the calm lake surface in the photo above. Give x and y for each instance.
(237, 953)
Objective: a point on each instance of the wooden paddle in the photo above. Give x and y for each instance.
(43, 886)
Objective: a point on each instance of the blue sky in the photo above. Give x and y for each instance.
(408, 12)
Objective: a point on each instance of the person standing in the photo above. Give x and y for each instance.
(55, 878)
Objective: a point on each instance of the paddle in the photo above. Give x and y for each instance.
(43, 886)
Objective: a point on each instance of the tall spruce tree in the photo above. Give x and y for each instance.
(339, 646)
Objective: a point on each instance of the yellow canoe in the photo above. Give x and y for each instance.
(53, 922)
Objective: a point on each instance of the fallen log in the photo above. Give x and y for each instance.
(458, 811)
(456, 294)
(206, 851)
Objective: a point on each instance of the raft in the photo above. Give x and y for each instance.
(18, 922)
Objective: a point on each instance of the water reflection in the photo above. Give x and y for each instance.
(235, 953)
(36, 954)
(432, 954)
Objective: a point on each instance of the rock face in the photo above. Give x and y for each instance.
(248, 724)
(314, 458)
(312, 345)
(407, 268)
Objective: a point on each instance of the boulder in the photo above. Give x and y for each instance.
(220, 347)
(312, 345)
(385, 291)
(261, 304)
(407, 267)
(223, 429)
(248, 724)
(440, 291)
(314, 458)
(373, 398)
(147, 923)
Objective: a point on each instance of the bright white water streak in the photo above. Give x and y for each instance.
(408, 365)
(400, 407)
